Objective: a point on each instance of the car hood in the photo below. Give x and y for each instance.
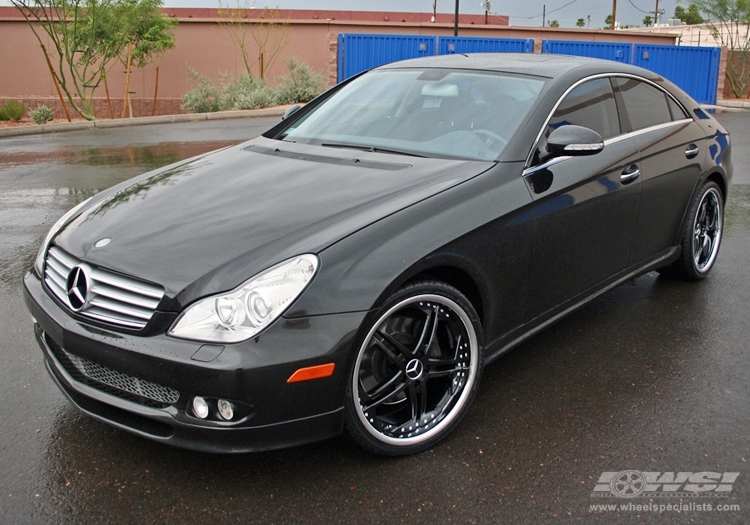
(210, 223)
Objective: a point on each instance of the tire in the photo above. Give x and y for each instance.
(701, 237)
(416, 371)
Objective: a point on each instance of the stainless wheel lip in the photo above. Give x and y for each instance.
(714, 194)
(466, 392)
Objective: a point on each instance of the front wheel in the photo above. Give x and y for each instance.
(416, 371)
(701, 237)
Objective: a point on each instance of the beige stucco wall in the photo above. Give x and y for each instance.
(207, 47)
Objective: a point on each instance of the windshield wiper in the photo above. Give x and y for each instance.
(373, 149)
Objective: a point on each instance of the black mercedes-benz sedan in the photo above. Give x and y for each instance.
(356, 266)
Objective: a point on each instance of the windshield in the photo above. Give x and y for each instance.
(432, 113)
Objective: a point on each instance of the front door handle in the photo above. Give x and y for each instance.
(691, 151)
(630, 174)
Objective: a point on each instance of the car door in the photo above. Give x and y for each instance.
(672, 148)
(585, 207)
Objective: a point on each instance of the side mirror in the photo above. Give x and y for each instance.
(289, 111)
(574, 141)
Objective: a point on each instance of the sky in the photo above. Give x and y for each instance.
(521, 12)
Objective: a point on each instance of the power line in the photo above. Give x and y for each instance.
(548, 12)
(639, 9)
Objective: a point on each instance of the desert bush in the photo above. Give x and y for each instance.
(245, 92)
(13, 110)
(203, 96)
(41, 115)
(301, 84)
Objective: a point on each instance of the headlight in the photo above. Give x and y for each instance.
(39, 262)
(244, 312)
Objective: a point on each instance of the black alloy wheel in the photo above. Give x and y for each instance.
(416, 371)
(701, 237)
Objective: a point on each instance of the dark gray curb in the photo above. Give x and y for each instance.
(140, 121)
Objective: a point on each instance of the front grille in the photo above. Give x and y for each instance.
(111, 297)
(112, 382)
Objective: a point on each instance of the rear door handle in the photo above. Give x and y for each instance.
(691, 151)
(630, 174)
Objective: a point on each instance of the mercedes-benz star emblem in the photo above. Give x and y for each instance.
(414, 369)
(77, 288)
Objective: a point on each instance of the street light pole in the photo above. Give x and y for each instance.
(455, 22)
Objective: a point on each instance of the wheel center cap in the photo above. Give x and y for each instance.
(414, 369)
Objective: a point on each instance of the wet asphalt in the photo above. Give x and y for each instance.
(652, 376)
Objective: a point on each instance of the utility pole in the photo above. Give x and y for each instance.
(455, 22)
(614, 14)
(544, 15)
(656, 13)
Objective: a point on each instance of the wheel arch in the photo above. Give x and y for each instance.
(451, 269)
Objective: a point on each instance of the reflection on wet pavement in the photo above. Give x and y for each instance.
(145, 157)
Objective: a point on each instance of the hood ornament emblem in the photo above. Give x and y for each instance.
(101, 243)
(77, 288)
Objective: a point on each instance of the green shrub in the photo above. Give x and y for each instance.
(300, 85)
(203, 96)
(41, 115)
(246, 92)
(13, 110)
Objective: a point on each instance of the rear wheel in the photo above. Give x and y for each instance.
(701, 238)
(417, 370)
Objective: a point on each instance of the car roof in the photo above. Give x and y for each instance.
(539, 64)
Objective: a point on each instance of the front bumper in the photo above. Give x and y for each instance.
(270, 413)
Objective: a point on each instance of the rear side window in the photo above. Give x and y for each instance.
(592, 105)
(646, 105)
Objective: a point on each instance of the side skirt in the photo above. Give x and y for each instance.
(508, 341)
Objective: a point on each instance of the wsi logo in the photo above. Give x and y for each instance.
(633, 483)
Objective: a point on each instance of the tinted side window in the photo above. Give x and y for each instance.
(646, 105)
(592, 105)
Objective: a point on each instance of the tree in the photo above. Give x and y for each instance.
(647, 20)
(581, 22)
(728, 22)
(690, 16)
(87, 38)
(554, 23)
(148, 34)
(267, 33)
(608, 20)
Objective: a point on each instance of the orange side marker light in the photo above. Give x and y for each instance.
(312, 372)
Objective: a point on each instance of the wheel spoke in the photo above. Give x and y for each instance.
(702, 213)
(382, 393)
(428, 327)
(397, 345)
(392, 356)
(433, 331)
(433, 374)
(414, 401)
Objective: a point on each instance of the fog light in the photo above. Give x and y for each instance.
(200, 407)
(225, 409)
